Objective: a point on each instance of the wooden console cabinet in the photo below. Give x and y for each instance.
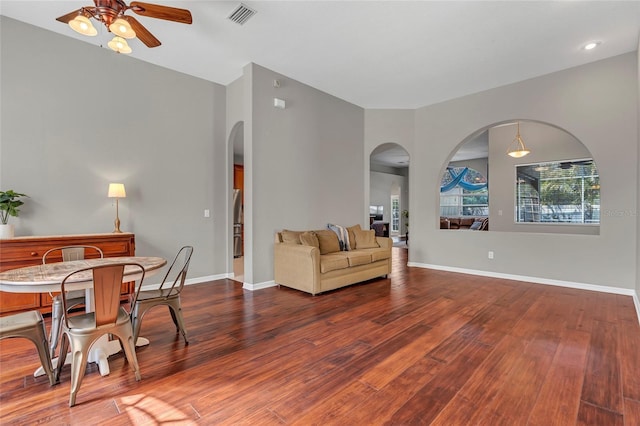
(28, 251)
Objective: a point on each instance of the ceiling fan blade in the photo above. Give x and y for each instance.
(161, 12)
(142, 33)
(69, 16)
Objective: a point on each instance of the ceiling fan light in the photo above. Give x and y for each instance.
(81, 24)
(121, 27)
(119, 45)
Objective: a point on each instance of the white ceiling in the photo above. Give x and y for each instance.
(384, 54)
(375, 54)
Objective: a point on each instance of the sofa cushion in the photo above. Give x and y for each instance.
(291, 237)
(365, 239)
(358, 257)
(333, 261)
(328, 241)
(309, 238)
(466, 222)
(378, 253)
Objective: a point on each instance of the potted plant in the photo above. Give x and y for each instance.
(9, 203)
(405, 214)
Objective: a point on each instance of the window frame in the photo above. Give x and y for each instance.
(516, 203)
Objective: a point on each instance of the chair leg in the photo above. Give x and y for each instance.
(136, 320)
(175, 309)
(56, 324)
(129, 347)
(178, 320)
(78, 369)
(64, 348)
(43, 353)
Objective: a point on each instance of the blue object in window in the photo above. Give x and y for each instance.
(458, 180)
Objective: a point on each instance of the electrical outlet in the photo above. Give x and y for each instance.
(207, 213)
(490, 255)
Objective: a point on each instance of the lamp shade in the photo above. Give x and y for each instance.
(122, 28)
(83, 25)
(116, 190)
(120, 45)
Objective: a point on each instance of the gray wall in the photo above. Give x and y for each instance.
(307, 164)
(597, 103)
(303, 164)
(638, 189)
(76, 117)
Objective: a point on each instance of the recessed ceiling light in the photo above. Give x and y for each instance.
(591, 45)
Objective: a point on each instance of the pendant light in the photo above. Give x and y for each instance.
(517, 149)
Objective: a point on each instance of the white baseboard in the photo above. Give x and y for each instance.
(259, 286)
(189, 281)
(537, 280)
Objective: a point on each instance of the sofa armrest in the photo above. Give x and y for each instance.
(384, 242)
(297, 266)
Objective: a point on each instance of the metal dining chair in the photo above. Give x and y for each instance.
(29, 325)
(167, 294)
(75, 298)
(81, 331)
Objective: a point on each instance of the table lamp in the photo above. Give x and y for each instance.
(116, 190)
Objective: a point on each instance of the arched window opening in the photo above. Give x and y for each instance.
(463, 193)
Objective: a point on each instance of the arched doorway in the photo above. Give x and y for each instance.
(236, 154)
(389, 192)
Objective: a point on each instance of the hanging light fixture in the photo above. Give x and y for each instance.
(517, 149)
(120, 45)
(81, 24)
(121, 27)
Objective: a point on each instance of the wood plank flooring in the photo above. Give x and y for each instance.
(422, 347)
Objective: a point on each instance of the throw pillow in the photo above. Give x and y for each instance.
(475, 226)
(352, 236)
(366, 239)
(290, 237)
(328, 241)
(309, 238)
(343, 236)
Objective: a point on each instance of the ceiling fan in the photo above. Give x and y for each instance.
(112, 14)
(569, 164)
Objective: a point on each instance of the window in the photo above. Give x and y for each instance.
(463, 192)
(558, 192)
(395, 214)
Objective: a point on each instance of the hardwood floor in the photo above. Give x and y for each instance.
(422, 347)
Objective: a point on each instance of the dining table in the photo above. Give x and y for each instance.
(47, 278)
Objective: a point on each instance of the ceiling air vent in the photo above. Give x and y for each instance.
(241, 14)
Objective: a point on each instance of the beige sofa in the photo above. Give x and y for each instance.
(313, 261)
